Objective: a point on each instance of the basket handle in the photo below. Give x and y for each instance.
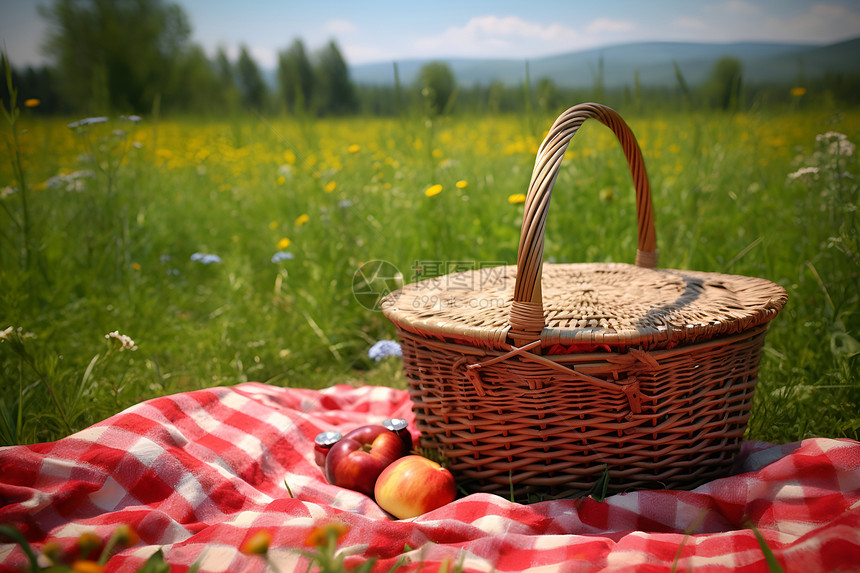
(527, 317)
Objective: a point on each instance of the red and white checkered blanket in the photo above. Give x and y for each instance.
(199, 473)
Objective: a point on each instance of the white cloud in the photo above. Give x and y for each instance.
(494, 36)
(822, 22)
(512, 36)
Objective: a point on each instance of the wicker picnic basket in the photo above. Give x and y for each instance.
(538, 378)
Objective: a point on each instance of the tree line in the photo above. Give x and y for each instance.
(136, 56)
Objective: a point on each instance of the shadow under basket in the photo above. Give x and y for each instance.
(536, 380)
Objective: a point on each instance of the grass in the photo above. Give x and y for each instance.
(116, 210)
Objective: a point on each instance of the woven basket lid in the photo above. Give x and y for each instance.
(581, 306)
(589, 305)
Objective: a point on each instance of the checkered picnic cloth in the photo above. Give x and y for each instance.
(199, 473)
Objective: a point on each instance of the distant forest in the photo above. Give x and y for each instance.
(137, 57)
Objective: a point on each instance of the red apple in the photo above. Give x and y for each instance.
(360, 456)
(414, 485)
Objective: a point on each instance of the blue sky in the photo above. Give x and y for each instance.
(372, 31)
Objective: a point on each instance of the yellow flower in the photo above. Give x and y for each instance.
(283, 243)
(302, 219)
(289, 156)
(354, 148)
(798, 91)
(32, 102)
(126, 535)
(87, 566)
(330, 186)
(461, 184)
(135, 266)
(87, 542)
(319, 536)
(433, 190)
(516, 198)
(273, 225)
(257, 544)
(53, 551)
(282, 180)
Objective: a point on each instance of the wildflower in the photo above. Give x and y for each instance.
(325, 534)
(4, 334)
(32, 102)
(87, 542)
(87, 566)
(354, 148)
(330, 186)
(302, 219)
(282, 256)
(273, 225)
(283, 244)
(136, 266)
(87, 121)
(282, 180)
(7, 191)
(798, 91)
(803, 172)
(124, 341)
(52, 551)
(285, 172)
(73, 181)
(433, 190)
(516, 198)
(205, 258)
(126, 535)
(461, 184)
(384, 348)
(257, 544)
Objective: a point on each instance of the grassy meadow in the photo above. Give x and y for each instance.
(226, 249)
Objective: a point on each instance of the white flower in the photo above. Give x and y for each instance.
(4, 334)
(803, 172)
(125, 342)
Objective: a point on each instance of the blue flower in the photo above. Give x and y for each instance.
(205, 258)
(384, 348)
(282, 256)
(87, 121)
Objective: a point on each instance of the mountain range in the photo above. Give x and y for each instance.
(654, 62)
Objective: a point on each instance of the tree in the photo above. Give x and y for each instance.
(117, 54)
(335, 93)
(295, 77)
(437, 84)
(724, 84)
(251, 84)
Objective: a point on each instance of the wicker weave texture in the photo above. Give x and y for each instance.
(547, 428)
